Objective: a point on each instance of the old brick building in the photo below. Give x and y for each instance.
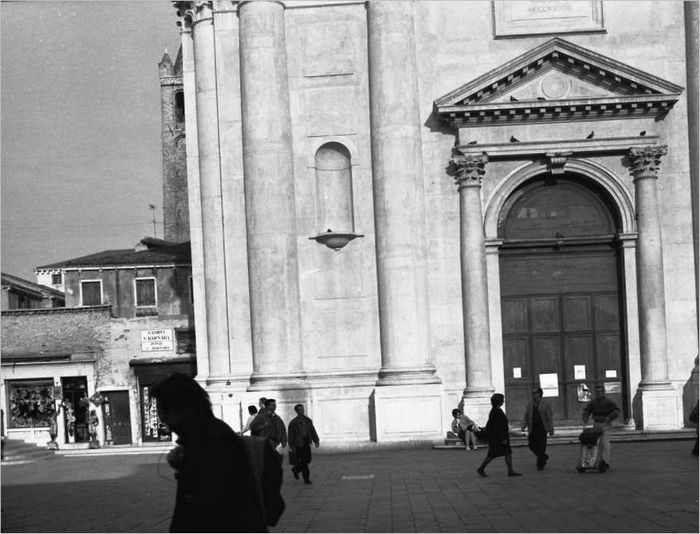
(126, 325)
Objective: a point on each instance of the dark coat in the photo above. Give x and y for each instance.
(499, 436)
(302, 432)
(216, 491)
(269, 425)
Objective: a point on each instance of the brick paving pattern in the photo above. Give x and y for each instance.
(651, 487)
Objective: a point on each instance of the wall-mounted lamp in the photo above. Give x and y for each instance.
(335, 240)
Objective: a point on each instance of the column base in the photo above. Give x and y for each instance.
(406, 412)
(276, 381)
(224, 392)
(659, 406)
(476, 405)
(407, 376)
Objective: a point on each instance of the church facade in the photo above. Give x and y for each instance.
(400, 207)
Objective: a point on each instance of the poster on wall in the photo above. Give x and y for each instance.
(612, 387)
(549, 382)
(579, 372)
(583, 394)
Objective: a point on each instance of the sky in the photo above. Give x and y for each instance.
(80, 146)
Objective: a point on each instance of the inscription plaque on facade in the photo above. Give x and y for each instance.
(157, 340)
(536, 18)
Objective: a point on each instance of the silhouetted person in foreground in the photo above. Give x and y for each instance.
(498, 437)
(216, 491)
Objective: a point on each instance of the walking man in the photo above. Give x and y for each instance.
(269, 425)
(301, 434)
(538, 420)
(604, 411)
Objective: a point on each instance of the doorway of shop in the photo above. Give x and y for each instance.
(562, 316)
(75, 408)
(117, 417)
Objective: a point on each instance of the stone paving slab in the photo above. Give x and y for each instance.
(651, 487)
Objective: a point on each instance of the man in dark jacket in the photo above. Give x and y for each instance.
(216, 490)
(270, 425)
(301, 434)
(539, 421)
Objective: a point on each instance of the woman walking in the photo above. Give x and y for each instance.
(498, 436)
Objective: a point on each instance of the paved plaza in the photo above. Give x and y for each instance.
(651, 487)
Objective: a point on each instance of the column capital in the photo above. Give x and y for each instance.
(467, 170)
(193, 11)
(645, 161)
(185, 12)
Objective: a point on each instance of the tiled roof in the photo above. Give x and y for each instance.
(167, 254)
(26, 285)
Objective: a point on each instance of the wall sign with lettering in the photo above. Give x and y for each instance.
(157, 340)
(537, 18)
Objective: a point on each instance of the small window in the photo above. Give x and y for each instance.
(91, 293)
(191, 284)
(145, 292)
(179, 107)
(57, 279)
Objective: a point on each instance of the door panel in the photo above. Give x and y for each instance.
(577, 313)
(544, 314)
(575, 326)
(117, 416)
(515, 316)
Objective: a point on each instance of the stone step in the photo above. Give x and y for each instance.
(16, 451)
(571, 434)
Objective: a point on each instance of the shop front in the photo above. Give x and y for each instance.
(150, 372)
(45, 397)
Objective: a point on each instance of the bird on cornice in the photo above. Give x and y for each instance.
(514, 139)
(541, 98)
(590, 135)
(642, 133)
(472, 142)
(513, 99)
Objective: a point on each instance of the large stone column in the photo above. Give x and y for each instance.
(658, 399)
(399, 210)
(692, 51)
(468, 172)
(399, 215)
(216, 291)
(193, 188)
(269, 194)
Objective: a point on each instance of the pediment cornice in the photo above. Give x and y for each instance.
(558, 81)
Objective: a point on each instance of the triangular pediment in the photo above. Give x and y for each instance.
(558, 80)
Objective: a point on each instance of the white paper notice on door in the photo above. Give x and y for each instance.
(517, 372)
(549, 382)
(579, 372)
(610, 373)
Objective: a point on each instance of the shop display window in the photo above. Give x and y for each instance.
(30, 403)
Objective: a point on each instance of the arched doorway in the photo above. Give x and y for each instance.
(560, 278)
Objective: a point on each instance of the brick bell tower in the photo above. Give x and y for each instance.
(176, 218)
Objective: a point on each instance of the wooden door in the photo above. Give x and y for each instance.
(117, 417)
(560, 305)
